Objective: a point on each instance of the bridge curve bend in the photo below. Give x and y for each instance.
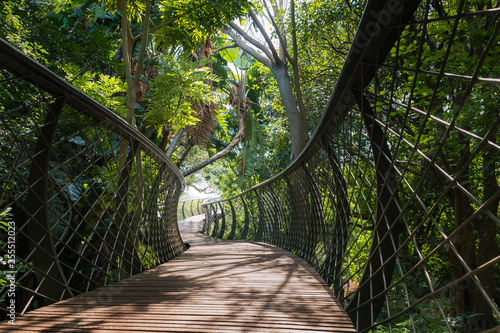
(394, 201)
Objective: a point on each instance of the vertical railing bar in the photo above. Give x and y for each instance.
(233, 224)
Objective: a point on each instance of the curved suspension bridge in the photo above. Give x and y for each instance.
(400, 177)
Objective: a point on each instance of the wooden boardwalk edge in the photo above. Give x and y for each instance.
(215, 286)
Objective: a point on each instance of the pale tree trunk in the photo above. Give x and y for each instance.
(296, 120)
(295, 66)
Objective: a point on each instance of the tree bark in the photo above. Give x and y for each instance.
(487, 247)
(387, 229)
(298, 126)
(127, 59)
(174, 142)
(461, 292)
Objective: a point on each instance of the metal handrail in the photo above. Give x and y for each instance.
(188, 208)
(85, 199)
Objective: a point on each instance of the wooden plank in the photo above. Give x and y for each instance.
(216, 286)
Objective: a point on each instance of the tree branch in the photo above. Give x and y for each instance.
(208, 190)
(224, 48)
(142, 52)
(161, 36)
(234, 142)
(251, 40)
(280, 36)
(163, 25)
(264, 33)
(266, 61)
(126, 53)
(294, 32)
(277, 9)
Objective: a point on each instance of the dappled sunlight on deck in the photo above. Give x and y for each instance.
(215, 286)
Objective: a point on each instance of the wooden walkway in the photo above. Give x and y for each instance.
(215, 286)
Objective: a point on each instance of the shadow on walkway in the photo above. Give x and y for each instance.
(215, 286)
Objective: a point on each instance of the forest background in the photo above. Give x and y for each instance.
(212, 78)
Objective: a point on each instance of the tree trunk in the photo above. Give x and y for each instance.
(331, 269)
(127, 237)
(364, 308)
(487, 247)
(299, 135)
(462, 292)
(127, 55)
(173, 143)
(48, 270)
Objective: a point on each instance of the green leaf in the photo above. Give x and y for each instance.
(230, 55)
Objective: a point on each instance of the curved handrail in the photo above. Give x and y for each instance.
(188, 208)
(86, 199)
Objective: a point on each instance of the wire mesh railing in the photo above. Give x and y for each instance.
(189, 208)
(395, 200)
(85, 200)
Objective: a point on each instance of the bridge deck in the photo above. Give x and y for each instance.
(216, 286)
